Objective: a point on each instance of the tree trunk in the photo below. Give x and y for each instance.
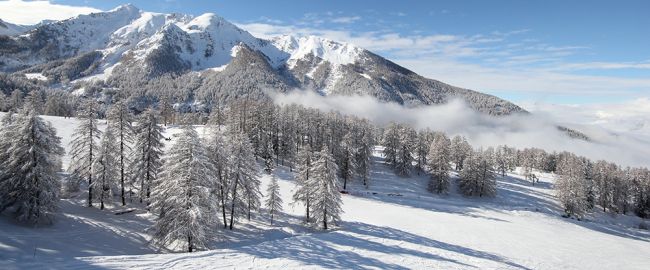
(122, 164)
(223, 208)
(325, 219)
(232, 206)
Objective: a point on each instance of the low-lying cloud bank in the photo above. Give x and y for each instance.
(455, 117)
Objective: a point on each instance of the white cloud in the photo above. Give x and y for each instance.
(536, 130)
(630, 117)
(33, 12)
(349, 19)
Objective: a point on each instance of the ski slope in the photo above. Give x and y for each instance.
(394, 224)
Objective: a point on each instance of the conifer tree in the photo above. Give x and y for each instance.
(244, 182)
(477, 177)
(105, 168)
(273, 199)
(571, 185)
(347, 161)
(404, 153)
(218, 151)
(304, 189)
(147, 154)
(364, 154)
(391, 142)
(439, 159)
(29, 179)
(84, 148)
(327, 197)
(183, 197)
(120, 120)
(460, 149)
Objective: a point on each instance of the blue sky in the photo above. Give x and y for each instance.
(566, 52)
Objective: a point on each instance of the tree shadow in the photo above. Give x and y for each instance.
(612, 229)
(340, 249)
(74, 234)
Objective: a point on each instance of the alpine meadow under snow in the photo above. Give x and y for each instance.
(141, 140)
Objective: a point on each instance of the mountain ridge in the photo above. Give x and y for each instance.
(140, 45)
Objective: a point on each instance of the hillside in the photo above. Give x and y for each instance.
(394, 224)
(127, 48)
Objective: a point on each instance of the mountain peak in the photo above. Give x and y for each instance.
(125, 8)
(337, 53)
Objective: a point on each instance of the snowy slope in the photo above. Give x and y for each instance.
(395, 224)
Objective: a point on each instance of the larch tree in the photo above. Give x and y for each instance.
(327, 196)
(477, 178)
(439, 163)
(83, 148)
(120, 120)
(571, 185)
(460, 149)
(391, 143)
(501, 160)
(218, 151)
(422, 147)
(244, 174)
(105, 168)
(29, 179)
(183, 197)
(364, 154)
(147, 153)
(405, 150)
(304, 191)
(605, 177)
(273, 198)
(347, 161)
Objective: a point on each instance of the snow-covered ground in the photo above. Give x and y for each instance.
(394, 224)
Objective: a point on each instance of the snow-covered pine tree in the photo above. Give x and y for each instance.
(477, 177)
(83, 148)
(604, 176)
(218, 151)
(34, 102)
(621, 194)
(422, 146)
(106, 168)
(244, 174)
(640, 178)
(183, 197)
(304, 190)
(120, 120)
(147, 153)
(16, 100)
(439, 158)
(29, 178)
(501, 160)
(4, 106)
(404, 153)
(391, 143)
(273, 198)
(460, 149)
(267, 155)
(364, 153)
(347, 161)
(571, 185)
(166, 110)
(327, 196)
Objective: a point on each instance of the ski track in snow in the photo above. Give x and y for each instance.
(394, 224)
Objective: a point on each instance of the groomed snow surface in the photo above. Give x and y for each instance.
(394, 224)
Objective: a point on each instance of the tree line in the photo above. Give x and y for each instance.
(213, 178)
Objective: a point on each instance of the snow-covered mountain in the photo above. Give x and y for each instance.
(9, 29)
(127, 47)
